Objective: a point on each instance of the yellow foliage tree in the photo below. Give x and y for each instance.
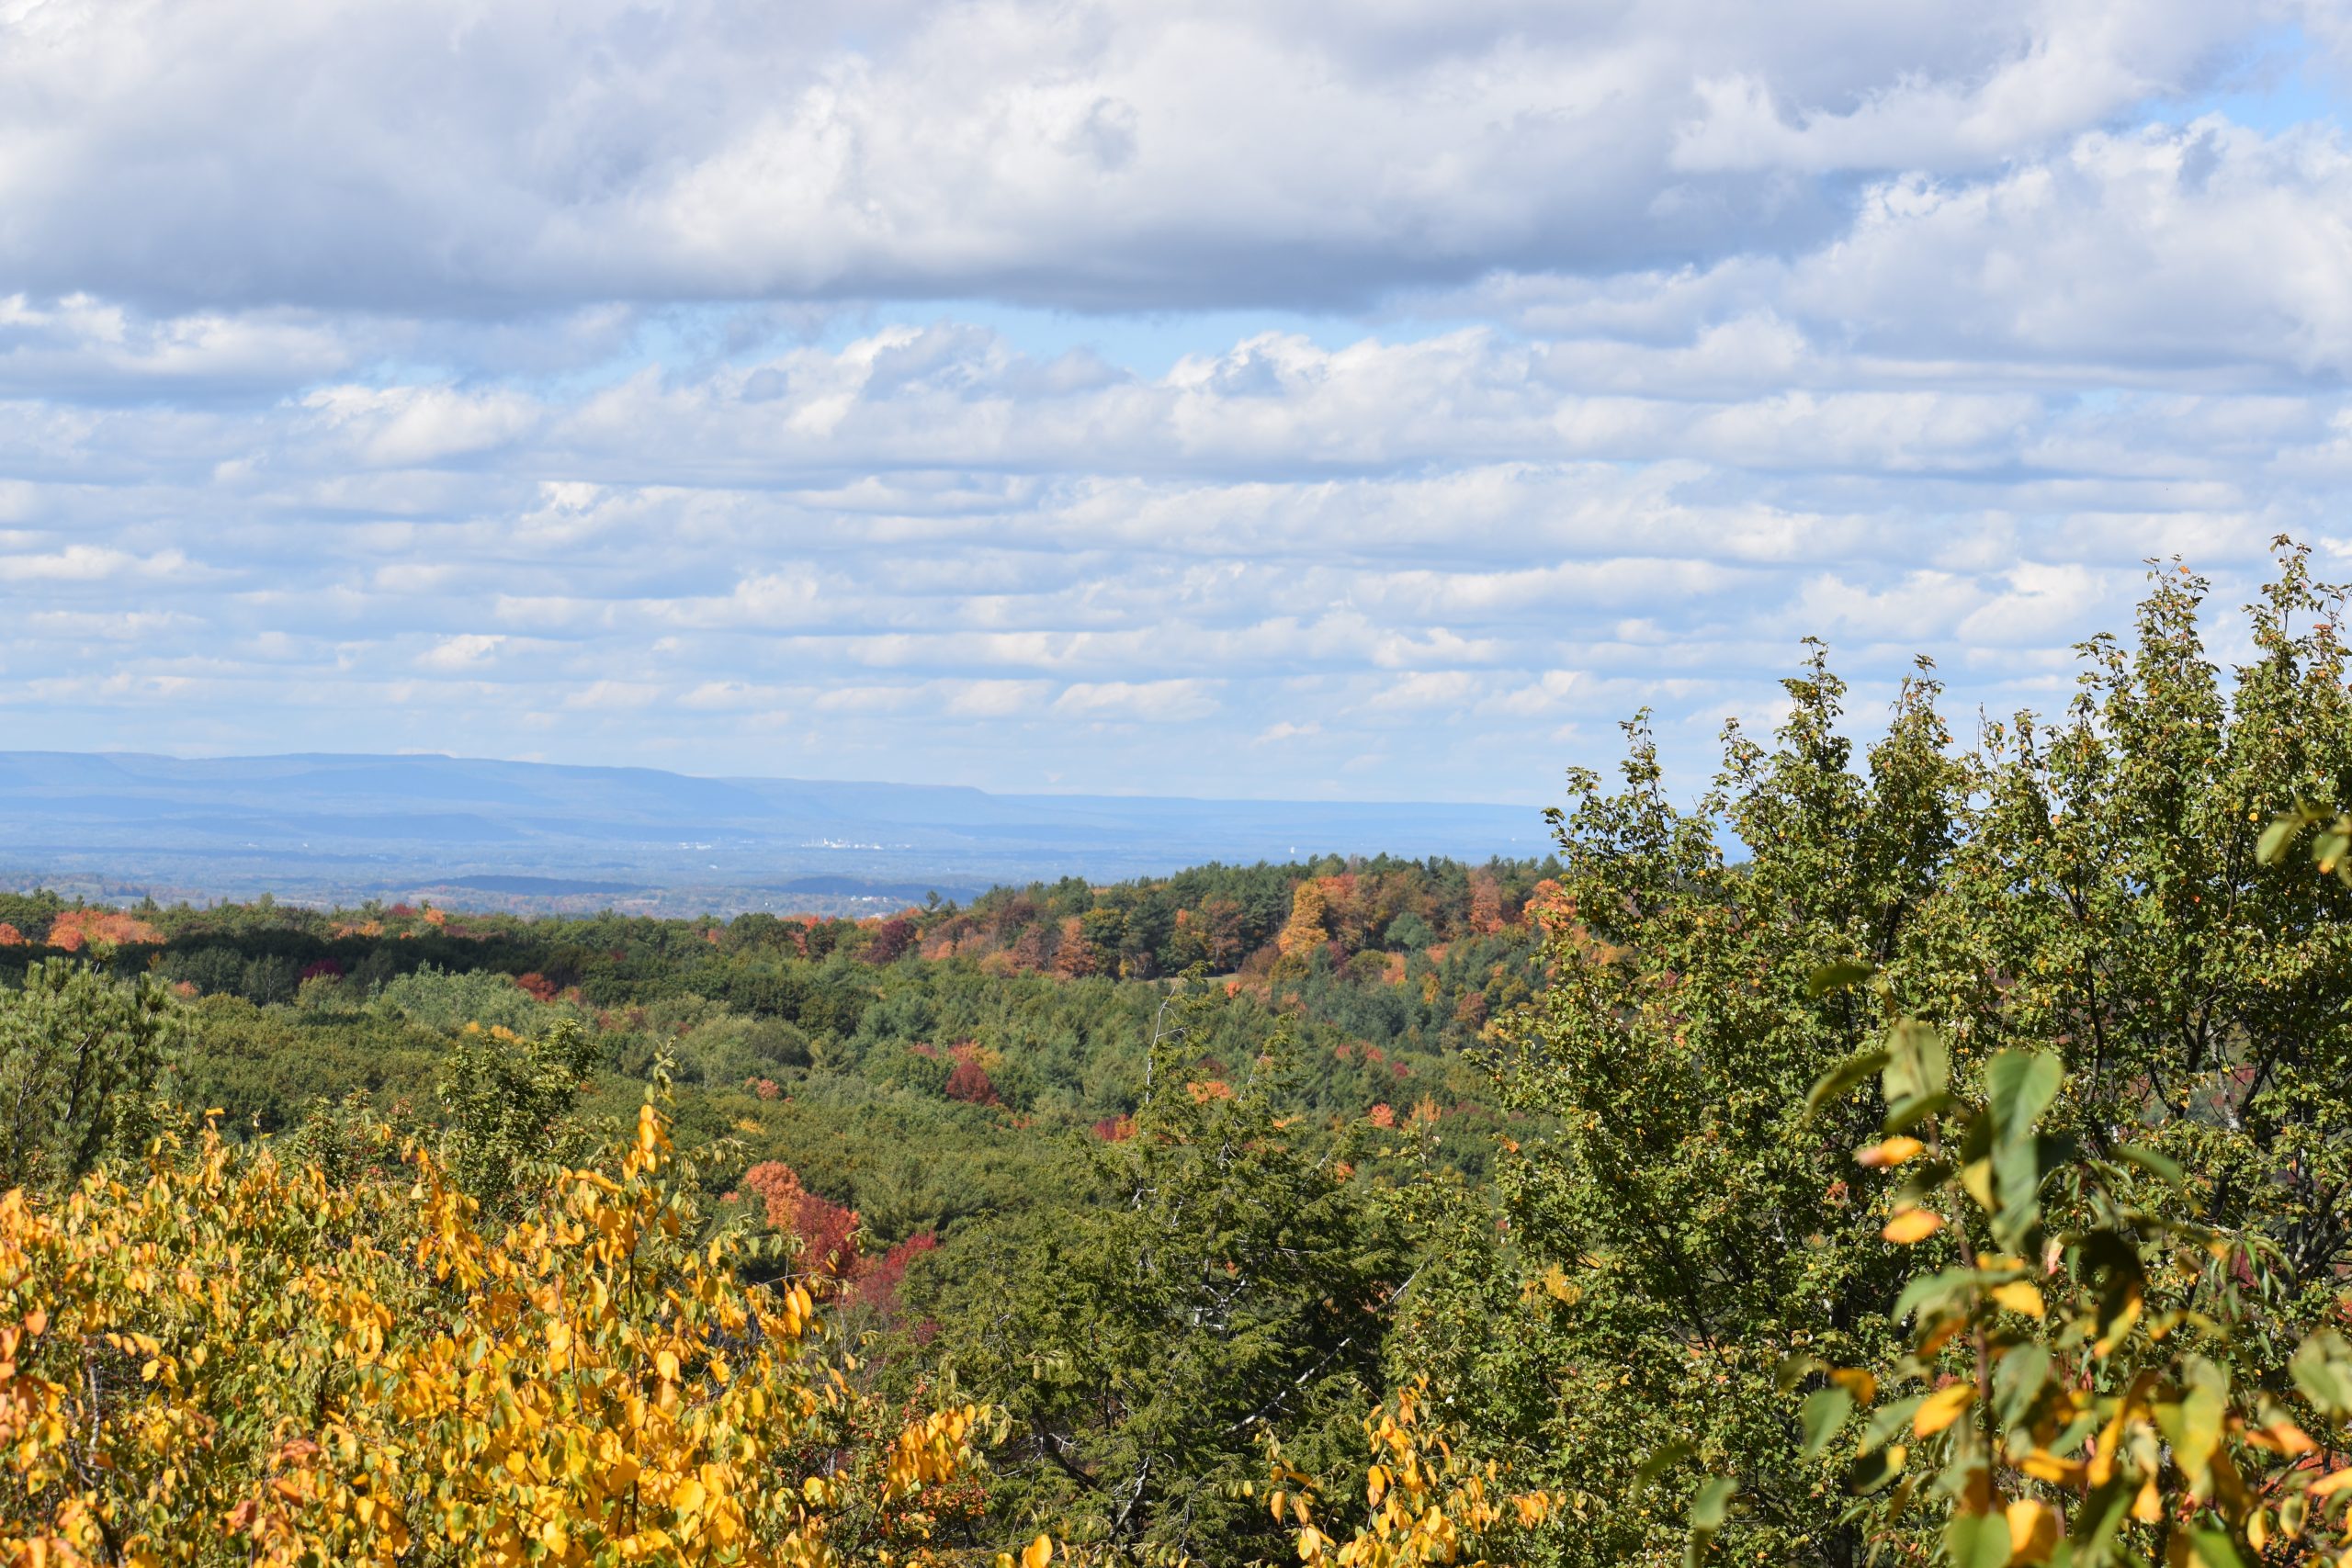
(1422, 1504)
(236, 1358)
(1309, 926)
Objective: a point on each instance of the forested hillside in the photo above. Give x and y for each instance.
(1916, 1149)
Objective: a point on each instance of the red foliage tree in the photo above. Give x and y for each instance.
(540, 988)
(828, 1231)
(891, 940)
(969, 1082)
(876, 1285)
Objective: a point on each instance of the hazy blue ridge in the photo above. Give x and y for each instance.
(329, 828)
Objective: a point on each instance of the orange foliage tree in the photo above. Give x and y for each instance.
(76, 929)
(826, 1230)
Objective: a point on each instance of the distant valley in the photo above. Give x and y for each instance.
(529, 836)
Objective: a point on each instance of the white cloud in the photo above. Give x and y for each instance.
(1150, 702)
(403, 426)
(622, 695)
(86, 564)
(1091, 154)
(534, 372)
(2043, 601)
(462, 652)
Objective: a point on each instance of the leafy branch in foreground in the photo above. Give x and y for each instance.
(2092, 1375)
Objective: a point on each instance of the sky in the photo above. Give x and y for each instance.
(1358, 399)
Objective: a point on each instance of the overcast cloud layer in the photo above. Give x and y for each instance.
(1376, 399)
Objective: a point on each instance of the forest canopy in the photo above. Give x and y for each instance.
(1914, 1147)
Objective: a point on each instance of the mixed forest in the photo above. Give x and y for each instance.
(1922, 1147)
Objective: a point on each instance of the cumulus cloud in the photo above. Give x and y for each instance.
(1095, 155)
(461, 652)
(1394, 398)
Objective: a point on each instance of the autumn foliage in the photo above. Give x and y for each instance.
(230, 1358)
(74, 930)
(826, 1231)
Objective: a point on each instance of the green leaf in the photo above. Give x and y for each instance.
(1873, 1470)
(1838, 976)
(1824, 1411)
(2215, 1549)
(1833, 1084)
(1707, 1512)
(2272, 847)
(2019, 1086)
(1712, 1503)
(2161, 1166)
(1919, 1063)
(2193, 1423)
(1929, 1290)
(1977, 1541)
(2101, 1515)
(1793, 1369)
(2322, 1367)
(1892, 1421)
(1908, 1113)
(1661, 1461)
(2018, 1378)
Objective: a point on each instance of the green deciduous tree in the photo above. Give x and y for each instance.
(1678, 1226)
(506, 1097)
(1219, 1283)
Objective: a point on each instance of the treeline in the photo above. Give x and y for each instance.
(1243, 920)
(1908, 1151)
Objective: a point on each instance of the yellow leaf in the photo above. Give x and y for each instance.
(1977, 1177)
(2020, 1296)
(1038, 1552)
(2328, 1485)
(1857, 1382)
(1895, 1151)
(2043, 1465)
(1942, 1408)
(2281, 1437)
(2033, 1531)
(1913, 1224)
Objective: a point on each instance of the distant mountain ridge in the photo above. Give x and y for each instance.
(324, 827)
